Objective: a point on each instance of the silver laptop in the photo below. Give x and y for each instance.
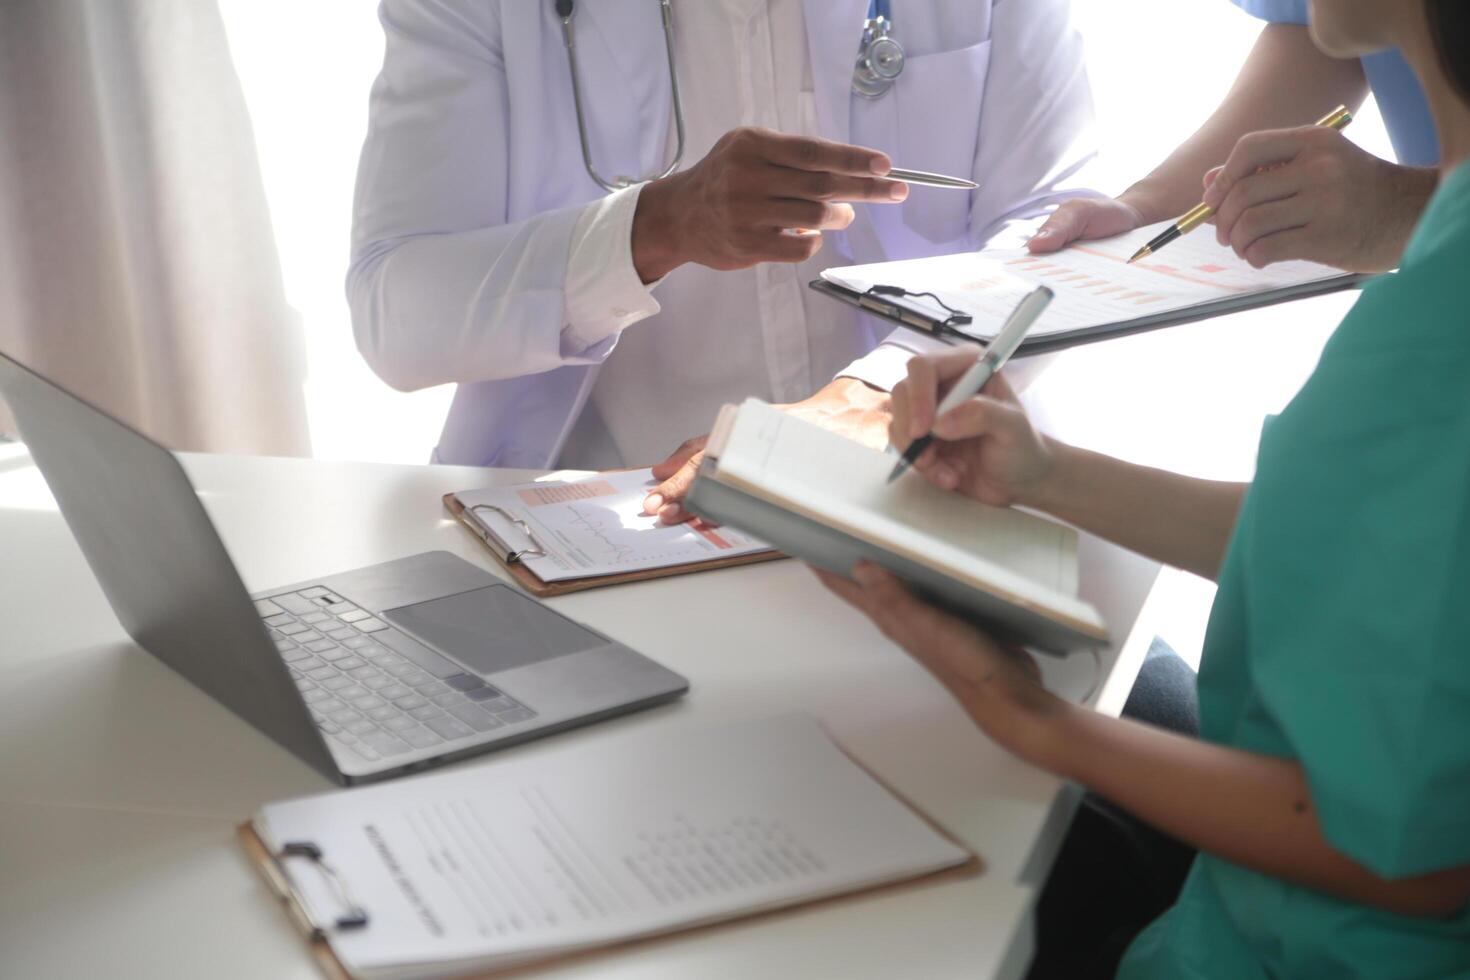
(363, 674)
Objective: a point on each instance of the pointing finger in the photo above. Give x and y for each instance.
(810, 153)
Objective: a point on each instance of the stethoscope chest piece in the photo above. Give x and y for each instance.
(880, 58)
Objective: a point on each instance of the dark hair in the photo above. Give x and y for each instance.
(1449, 25)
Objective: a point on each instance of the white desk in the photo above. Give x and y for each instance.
(120, 784)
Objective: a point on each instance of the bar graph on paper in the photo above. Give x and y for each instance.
(1094, 284)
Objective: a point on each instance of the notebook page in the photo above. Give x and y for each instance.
(1093, 282)
(773, 454)
(636, 833)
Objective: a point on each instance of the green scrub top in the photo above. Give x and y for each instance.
(1340, 637)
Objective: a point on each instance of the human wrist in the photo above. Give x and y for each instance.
(1415, 187)
(1047, 490)
(1052, 735)
(1387, 214)
(1148, 203)
(1033, 724)
(655, 246)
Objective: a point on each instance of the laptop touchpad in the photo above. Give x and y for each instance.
(492, 629)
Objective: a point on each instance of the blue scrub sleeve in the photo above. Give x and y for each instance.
(1395, 86)
(1359, 609)
(1275, 11)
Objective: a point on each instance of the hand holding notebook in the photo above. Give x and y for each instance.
(827, 501)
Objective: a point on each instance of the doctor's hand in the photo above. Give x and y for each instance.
(739, 205)
(1310, 193)
(986, 447)
(1085, 218)
(845, 406)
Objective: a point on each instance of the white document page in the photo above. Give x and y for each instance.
(845, 485)
(1093, 282)
(596, 526)
(632, 835)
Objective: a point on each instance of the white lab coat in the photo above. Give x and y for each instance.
(472, 179)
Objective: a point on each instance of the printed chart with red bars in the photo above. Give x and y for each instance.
(595, 525)
(1093, 282)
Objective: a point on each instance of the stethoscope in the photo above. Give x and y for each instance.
(880, 57)
(564, 10)
(879, 63)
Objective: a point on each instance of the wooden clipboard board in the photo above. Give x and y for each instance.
(332, 967)
(529, 581)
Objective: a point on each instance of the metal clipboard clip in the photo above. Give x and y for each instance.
(497, 545)
(353, 915)
(887, 301)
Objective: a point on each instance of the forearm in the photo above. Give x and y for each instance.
(1252, 810)
(1285, 82)
(464, 306)
(1178, 520)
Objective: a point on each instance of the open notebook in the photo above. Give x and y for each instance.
(1098, 293)
(825, 499)
(479, 869)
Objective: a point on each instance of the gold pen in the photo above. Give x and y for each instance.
(1336, 119)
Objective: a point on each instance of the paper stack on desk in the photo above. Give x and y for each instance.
(595, 844)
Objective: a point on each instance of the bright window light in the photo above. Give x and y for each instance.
(306, 69)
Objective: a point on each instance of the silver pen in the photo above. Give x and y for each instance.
(996, 354)
(930, 180)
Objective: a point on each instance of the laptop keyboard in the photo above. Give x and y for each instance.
(370, 700)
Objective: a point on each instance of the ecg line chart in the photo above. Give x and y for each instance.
(598, 531)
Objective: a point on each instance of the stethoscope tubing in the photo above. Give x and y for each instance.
(565, 10)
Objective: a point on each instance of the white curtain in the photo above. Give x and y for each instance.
(137, 262)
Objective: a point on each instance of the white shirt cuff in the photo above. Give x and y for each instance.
(887, 364)
(604, 294)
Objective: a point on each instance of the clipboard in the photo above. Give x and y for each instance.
(509, 556)
(268, 865)
(906, 311)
